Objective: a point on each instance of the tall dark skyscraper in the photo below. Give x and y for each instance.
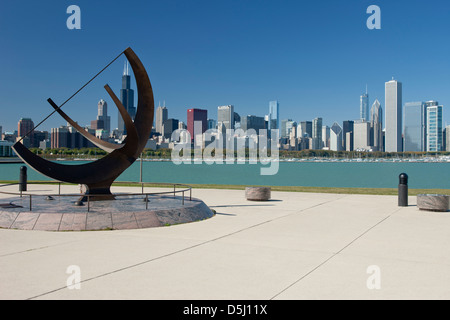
(127, 98)
(347, 126)
(194, 115)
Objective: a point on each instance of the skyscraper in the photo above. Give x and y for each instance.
(211, 124)
(169, 126)
(434, 126)
(127, 98)
(336, 137)
(376, 120)
(197, 115)
(103, 114)
(364, 106)
(161, 116)
(316, 133)
(393, 105)
(361, 135)
(274, 115)
(305, 130)
(415, 126)
(447, 138)
(347, 126)
(103, 120)
(25, 131)
(325, 137)
(225, 118)
(286, 126)
(252, 122)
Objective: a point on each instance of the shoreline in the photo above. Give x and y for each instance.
(300, 189)
(444, 159)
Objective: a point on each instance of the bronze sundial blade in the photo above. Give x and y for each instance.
(107, 146)
(100, 174)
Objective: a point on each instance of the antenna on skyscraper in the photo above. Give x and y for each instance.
(126, 70)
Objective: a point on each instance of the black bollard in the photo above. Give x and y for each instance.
(23, 179)
(403, 190)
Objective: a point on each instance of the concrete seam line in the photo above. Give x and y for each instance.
(178, 251)
(334, 254)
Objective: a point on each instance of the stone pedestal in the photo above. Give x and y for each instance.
(257, 193)
(433, 202)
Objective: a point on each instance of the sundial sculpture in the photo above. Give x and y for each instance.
(99, 175)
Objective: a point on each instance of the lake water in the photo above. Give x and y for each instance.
(428, 175)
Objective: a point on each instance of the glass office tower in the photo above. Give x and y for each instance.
(415, 126)
(434, 127)
(274, 115)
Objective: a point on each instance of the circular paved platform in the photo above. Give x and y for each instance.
(126, 212)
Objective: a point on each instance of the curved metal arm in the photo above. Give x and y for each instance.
(104, 145)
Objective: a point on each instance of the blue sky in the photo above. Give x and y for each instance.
(314, 57)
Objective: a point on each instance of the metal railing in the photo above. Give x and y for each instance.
(186, 188)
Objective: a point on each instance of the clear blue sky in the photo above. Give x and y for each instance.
(315, 57)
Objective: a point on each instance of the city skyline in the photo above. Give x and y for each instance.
(222, 67)
(406, 128)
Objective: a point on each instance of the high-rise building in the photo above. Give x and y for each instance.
(197, 115)
(361, 135)
(349, 141)
(434, 126)
(127, 98)
(68, 137)
(274, 115)
(25, 131)
(305, 130)
(325, 137)
(169, 126)
(211, 124)
(161, 116)
(253, 122)
(236, 120)
(225, 118)
(286, 127)
(181, 125)
(316, 133)
(336, 137)
(103, 115)
(289, 127)
(60, 137)
(364, 106)
(103, 121)
(414, 132)
(447, 138)
(376, 120)
(393, 111)
(347, 126)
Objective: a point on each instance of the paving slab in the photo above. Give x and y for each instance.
(297, 246)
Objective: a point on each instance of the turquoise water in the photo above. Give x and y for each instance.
(311, 174)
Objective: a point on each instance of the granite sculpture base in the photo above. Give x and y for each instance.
(257, 193)
(433, 202)
(64, 214)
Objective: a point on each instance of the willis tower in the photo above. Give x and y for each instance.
(127, 99)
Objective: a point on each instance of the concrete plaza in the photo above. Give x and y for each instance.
(296, 246)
